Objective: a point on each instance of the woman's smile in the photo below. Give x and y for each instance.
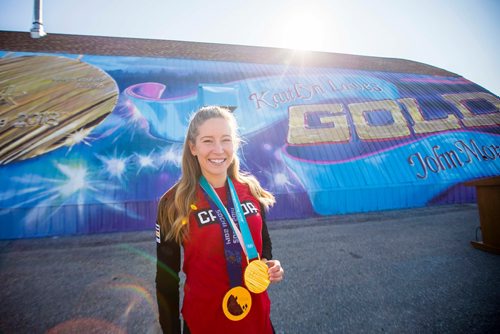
(214, 149)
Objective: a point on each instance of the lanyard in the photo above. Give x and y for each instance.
(243, 233)
(232, 249)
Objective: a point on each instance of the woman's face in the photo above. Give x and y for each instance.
(214, 147)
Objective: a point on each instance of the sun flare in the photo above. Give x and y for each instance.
(303, 29)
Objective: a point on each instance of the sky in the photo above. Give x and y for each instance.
(461, 36)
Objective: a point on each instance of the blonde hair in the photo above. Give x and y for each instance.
(174, 207)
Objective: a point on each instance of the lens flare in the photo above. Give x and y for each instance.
(86, 325)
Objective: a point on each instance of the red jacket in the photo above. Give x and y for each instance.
(207, 280)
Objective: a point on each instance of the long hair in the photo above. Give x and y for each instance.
(175, 205)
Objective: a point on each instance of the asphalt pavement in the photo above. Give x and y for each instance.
(403, 271)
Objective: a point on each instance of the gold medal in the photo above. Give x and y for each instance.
(50, 101)
(237, 303)
(256, 276)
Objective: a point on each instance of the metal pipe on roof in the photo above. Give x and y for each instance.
(37, 30)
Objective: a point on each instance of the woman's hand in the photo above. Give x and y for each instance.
(275, 271)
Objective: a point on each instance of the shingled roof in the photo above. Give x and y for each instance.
(118, 46)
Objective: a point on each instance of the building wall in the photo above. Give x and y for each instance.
(89, 142)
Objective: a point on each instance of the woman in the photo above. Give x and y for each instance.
(216, 213)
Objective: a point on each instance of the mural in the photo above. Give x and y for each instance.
(88, 144)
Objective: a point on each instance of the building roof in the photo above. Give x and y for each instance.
(119, 46)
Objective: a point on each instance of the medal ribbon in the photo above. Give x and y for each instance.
(232, 249)
(243, 232)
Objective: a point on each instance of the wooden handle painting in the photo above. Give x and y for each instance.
(47, 102)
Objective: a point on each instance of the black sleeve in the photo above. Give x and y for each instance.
(267, 246)
(168, 260)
